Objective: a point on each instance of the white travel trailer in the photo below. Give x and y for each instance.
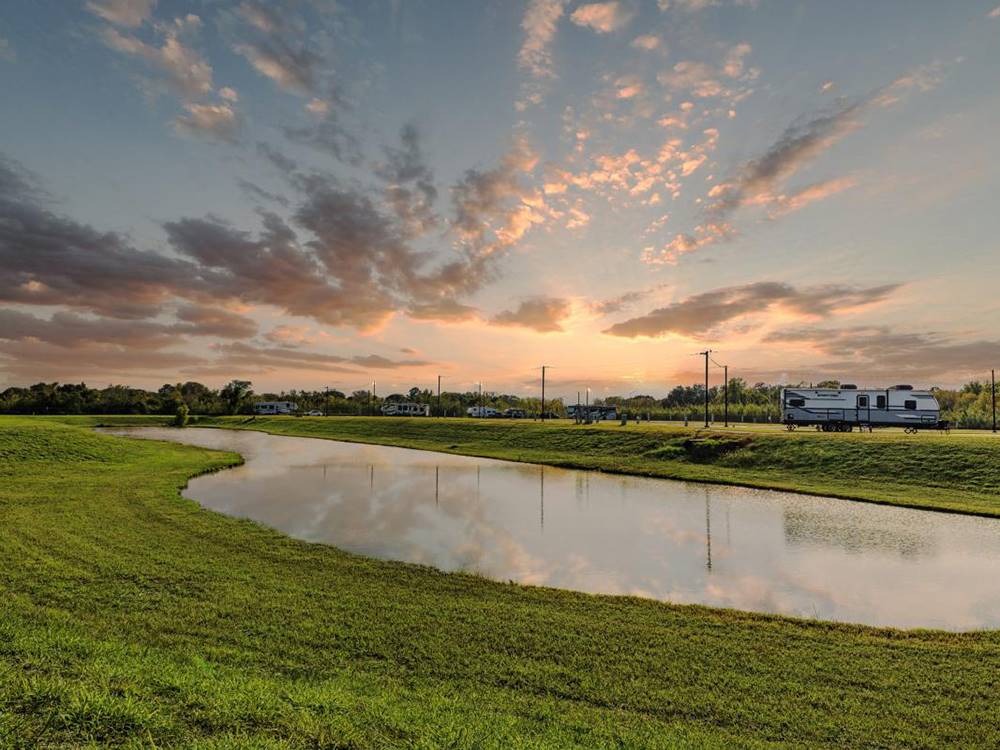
(844, 408)
(395, 409)
(275, 407)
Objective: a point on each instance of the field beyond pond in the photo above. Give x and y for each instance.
(130, 617)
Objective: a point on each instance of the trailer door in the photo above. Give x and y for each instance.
(864, 409)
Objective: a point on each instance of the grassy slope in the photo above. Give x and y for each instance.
(958, 473)
(131, 616)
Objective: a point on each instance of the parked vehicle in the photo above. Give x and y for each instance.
(314, 413)
(842, 409)
(397, 409)
(514, 413)
(592, 413)
(482, 411)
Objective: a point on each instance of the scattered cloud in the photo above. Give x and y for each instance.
(215, 121)
(541, 18)
(184, 70)
(7, 52)
(276, 44)
(542, 314)
(995, 13)
(701, 313)
(129, 13)
(603, 17)
(648, 42)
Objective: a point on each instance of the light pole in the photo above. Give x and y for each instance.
(439, 395)
(705, 354)
(371, 400)
(481, 410)
(544, 368)
(993, 390)
(725, 369)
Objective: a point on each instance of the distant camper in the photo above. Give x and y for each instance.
(275, 407)
(842, 409)
(406, 410)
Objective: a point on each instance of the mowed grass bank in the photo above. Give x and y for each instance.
(957, 473)
(132, 617)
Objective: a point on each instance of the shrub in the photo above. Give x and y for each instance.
(181, 416)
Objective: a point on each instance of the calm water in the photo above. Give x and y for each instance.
(729, 547)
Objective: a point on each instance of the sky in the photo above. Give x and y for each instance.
(311, 194)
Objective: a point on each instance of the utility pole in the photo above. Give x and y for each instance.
(481, 410)
(544, 367)
(371, 400)
(439, 395)
(705, 355)
(578, 407)
(993, 389)
(326, 403)
(725, 369)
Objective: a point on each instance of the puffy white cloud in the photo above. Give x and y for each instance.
(602, 17)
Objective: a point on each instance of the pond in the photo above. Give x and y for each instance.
(756, 550)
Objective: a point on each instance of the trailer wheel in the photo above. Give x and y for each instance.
(790, 427)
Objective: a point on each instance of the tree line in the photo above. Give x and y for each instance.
(968, 406)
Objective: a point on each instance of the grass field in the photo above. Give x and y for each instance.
(959, 472)
(132, 617)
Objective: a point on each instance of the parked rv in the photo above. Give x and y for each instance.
(514, 413)
(395, 409)
(275, 407)
(844, 408)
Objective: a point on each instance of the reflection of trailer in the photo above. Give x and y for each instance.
(395, 409)
(842, 409)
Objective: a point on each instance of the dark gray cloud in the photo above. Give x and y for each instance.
(410, 188)
(352, 265)
(245, 357)
(202, 320)
(542, 314)
(49, 259)
(328, 135)
(621, 302)
(701, 313)
(257, 193)
(878, 355)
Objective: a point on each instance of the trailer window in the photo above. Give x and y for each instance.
(910, 404)
(796, 402)
(862, 402)
(880, 402)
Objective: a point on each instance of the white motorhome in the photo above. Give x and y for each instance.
(396, 409)
(844, 408)
(275, 407)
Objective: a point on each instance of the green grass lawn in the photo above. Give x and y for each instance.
(957, 472)
(132, 617)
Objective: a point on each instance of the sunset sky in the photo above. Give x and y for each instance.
(315, 193)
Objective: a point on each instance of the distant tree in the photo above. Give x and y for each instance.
(236, 394)
(181, 417)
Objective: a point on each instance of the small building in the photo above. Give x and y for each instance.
(275, 407)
